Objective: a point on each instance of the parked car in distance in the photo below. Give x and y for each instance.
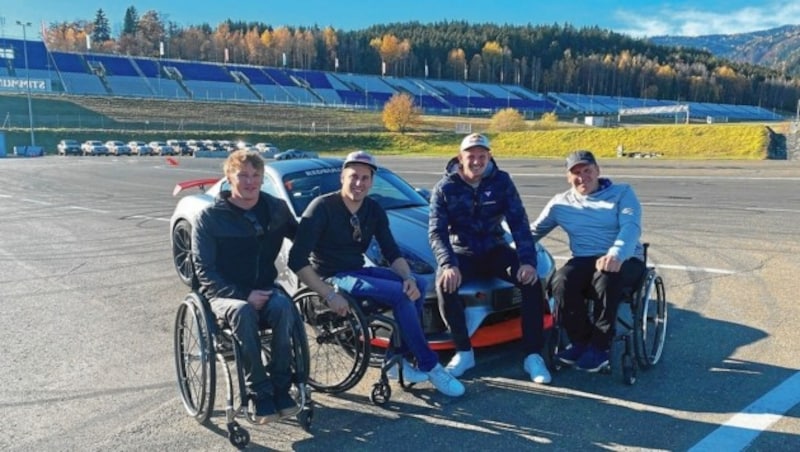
(94, 147)
(69, 147)
(179, 147)
(118, 147)
(160, 148)
(140, 148)
(267, 149)
(296, 154)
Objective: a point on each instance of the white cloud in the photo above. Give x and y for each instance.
(697, 22)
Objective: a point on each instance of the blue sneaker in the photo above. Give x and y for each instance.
(593, 360)
(571, 355)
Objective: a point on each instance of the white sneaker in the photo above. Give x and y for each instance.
(534, 365)
(410, 373)
(444, 382)
(460, 363)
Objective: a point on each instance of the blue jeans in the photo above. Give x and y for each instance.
(385, 287)
(245, 322)
(500, 262)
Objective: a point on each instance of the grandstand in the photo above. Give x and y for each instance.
(94, 74)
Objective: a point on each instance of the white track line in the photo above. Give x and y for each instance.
(677, 267)
(744, 427)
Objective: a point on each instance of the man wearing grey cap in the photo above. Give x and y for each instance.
(328, 255)
(603, 222)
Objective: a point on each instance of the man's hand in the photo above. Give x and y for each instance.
(410, 288)
(526, 274)
(450, 279)
(339, 304)
(608, 264)
(258, 298)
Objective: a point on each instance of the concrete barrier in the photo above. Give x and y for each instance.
(28, 151)
(210, 154)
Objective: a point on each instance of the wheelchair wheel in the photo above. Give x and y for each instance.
(194, 358)
(338, 347)
(182, 252)
(650, 321)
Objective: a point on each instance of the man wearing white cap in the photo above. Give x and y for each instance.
(603, 222)
(325, 257)
(468, 206)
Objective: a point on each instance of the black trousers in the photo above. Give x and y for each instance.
(500, 262)
(578, 282)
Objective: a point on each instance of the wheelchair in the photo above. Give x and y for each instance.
(641, 327)
(201, 342)
(341, 348)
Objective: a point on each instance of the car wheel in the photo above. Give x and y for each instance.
(182, 251)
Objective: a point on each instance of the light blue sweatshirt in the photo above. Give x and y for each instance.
(606, 222)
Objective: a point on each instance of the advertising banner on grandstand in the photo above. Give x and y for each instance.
(21, 85)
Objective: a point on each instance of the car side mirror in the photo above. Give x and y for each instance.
(424, 192)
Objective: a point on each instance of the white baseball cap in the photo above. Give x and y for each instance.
(475, 140)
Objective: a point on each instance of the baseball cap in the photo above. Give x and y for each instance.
(580, 157)
(360, 157)
(473, 140)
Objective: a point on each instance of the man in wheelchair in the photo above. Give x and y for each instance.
(328, 255)
(603, 223)
(234, 245)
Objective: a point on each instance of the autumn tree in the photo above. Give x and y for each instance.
(400, 114)
(457, 61)
(507, 120)
(391, 49)
(331, 41)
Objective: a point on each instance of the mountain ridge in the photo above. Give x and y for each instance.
(777, 48)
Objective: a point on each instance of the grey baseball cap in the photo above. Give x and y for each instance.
(580, 157)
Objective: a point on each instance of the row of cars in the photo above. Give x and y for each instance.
(170, 147)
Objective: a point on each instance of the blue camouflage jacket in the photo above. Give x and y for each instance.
(467, 220)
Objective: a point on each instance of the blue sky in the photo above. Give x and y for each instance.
(635, 17)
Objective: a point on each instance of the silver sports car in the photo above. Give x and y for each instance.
(492, 305)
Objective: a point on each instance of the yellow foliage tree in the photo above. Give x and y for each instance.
(400, 114)
(507, 120)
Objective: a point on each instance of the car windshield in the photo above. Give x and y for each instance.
(388, 189)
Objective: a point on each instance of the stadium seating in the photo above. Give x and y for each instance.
(143, 77)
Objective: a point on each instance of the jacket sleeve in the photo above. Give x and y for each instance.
(517, 219)
(438, 233)
(629, 213)
(204, 259)
(544, 223)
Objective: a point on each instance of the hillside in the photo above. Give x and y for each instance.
(776, 48)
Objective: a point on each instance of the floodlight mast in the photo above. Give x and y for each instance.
(25, 26)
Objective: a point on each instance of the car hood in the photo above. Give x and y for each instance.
(410, 229)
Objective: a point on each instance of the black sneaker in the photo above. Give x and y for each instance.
(593, 360)
(285, 404)
(263, 409)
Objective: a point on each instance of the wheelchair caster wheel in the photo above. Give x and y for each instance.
(238, 436)
(304, 417)
(381, 393)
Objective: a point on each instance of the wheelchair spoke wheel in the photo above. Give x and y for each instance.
(182, 251)
(650, 320)
(194, 359)
(338, 347)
